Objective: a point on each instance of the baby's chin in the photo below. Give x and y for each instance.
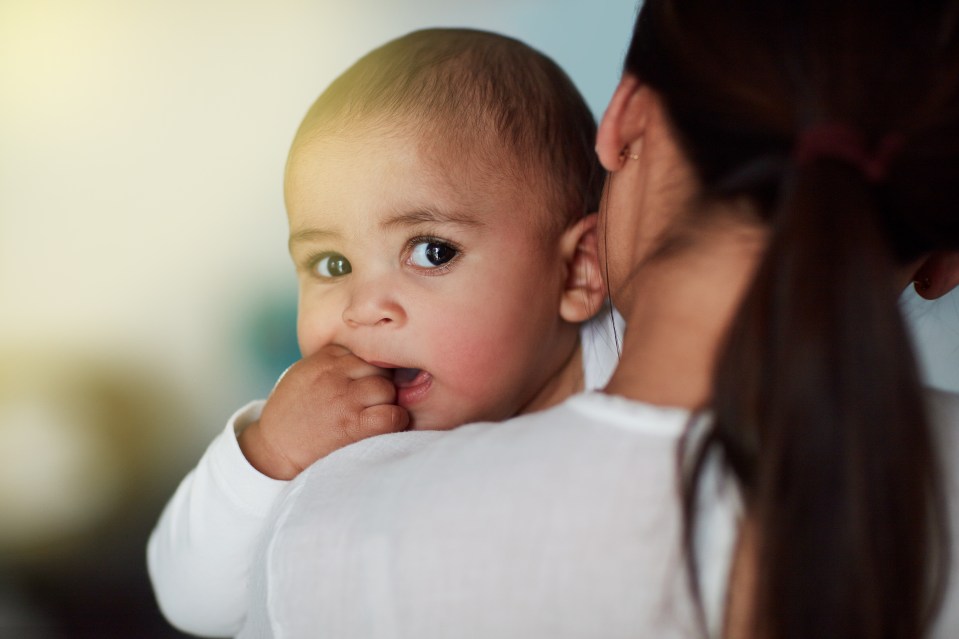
(432, 422)
(424, 419)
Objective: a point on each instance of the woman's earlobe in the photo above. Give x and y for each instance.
(937, 275)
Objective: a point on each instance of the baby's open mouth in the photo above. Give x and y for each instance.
(407, 377)
(412, 386)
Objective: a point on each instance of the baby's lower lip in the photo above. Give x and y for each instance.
(412, 385)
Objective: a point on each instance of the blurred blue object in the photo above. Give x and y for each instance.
(269, 337)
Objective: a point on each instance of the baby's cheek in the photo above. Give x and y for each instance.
(309, 340)
(315, 326)
(482, 372)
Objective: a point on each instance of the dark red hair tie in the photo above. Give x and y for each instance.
(842, 142)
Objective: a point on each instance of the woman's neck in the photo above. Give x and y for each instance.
(677, 315)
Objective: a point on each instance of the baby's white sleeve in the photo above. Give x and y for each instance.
(600, 341)
(200, 553)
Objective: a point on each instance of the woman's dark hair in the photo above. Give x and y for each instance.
(818, 409)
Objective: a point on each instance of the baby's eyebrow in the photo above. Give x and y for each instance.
(430, 216)
(311, 234)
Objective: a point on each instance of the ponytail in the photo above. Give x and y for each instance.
(819, 415)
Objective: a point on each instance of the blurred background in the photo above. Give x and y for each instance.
(145, 288)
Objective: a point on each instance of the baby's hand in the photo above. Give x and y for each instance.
(322, 403)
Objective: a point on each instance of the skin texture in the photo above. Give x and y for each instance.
(492, 331)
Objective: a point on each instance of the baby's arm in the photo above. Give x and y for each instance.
(200, 553)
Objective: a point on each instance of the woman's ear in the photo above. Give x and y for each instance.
(584, 290)
(623, 122)
(937, 274)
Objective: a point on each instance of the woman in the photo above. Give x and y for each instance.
(778, 173)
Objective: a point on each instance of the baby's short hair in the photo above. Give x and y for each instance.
(495, 101)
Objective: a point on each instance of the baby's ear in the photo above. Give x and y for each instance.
(938, 274)
(584, 291)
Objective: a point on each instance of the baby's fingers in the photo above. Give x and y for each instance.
(372, 390)
(383, 418)
(378, 414)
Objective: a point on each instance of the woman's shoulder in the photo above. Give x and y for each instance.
(542, 501)
(594, 441)
(582, 429)
(944, 406)
(944, 413)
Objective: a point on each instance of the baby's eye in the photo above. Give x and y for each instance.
(332, 265)
(432, 253)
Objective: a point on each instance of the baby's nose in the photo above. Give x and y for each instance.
(373, 308)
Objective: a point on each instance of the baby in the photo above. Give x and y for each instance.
(440, 196)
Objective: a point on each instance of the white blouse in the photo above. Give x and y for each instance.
(560, 524)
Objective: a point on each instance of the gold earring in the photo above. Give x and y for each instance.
(626, 155)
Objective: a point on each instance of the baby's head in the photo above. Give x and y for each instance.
(437, 194)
